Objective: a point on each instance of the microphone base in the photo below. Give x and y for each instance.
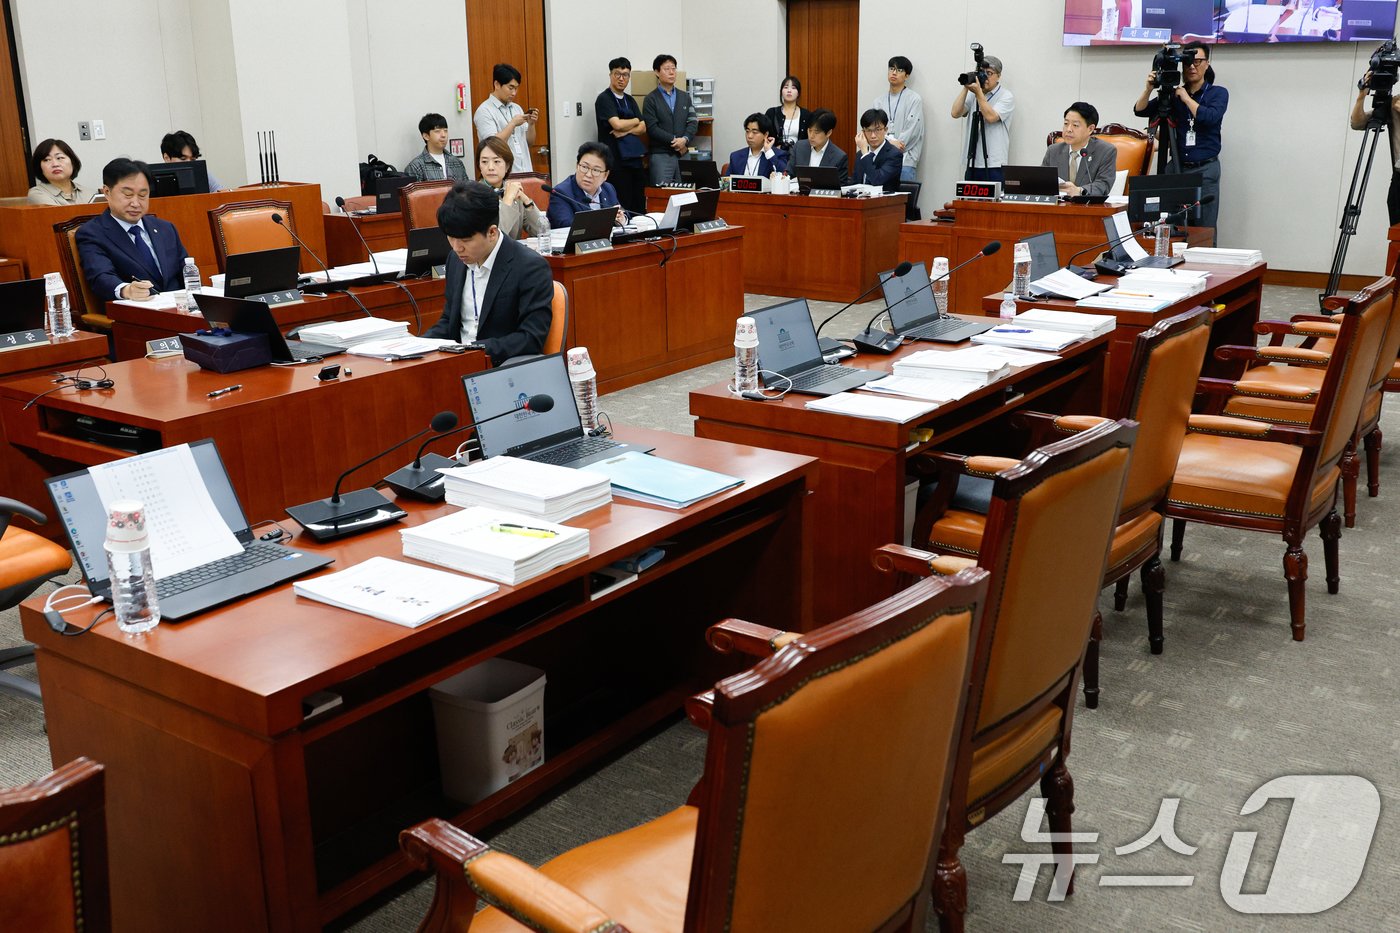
(361, 510)
(326, 288)
(1082, 272)
(1112, 267)
(877, 341)
(425, 482)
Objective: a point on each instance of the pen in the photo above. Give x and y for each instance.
(523, 530)
(224, 391)
(1012, 330)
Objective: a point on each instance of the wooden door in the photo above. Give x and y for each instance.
(14, 138)
(824, 54)
(511, 31)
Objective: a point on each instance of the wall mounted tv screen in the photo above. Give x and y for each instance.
(1153, 22)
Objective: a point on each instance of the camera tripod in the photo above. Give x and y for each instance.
(1168, 147)
(1378, 121)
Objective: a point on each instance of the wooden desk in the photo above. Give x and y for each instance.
(284, 436)
(11, 270)
(641, 319)
(859, 501)
(381, 231)
(1239, 290)
(232, 812)
(132, 326)
(825, 248)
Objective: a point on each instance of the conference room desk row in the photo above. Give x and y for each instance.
(232, 808)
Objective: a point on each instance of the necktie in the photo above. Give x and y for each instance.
(142, 249)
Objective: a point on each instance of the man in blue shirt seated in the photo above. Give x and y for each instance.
(126, 254)
(1197, 108)
(759, 157)
(879, 162)
(587, 190)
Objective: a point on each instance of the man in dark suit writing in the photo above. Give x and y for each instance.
(879, 162)
(126, 253)
(818, 149)
(499, 293)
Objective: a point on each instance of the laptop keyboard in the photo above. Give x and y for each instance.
(573, 450)
(939, 327)
(1153, 262)
(820, 375)
(255, 555)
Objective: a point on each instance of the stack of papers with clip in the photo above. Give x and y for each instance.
(504, 546)
(1028, 338)
(395, 591)
(1223, 257)
(640, 476)
(969, 364)
(554, 493)
(1071, 322)
(352, 333)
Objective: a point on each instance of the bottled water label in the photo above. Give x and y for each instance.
(58, 316)
(745, 355)
(583, 379)
(1163, 236)
(1021, 271)
(939, 276)
(128, 548)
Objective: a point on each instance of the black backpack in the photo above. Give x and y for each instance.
(373, 168)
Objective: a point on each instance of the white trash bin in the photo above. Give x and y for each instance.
(490, 727)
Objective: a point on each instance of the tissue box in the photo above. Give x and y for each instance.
(227, 353)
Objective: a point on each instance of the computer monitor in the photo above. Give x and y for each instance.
(702, 173)
(21, 306)
(1151, 195)
(590, 225)
(261, 271)
(1024, 180)
(827, 177)
(386, 192)
(702, 209)
(1187, 19)
(172, 178)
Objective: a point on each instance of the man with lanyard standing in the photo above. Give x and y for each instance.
(905, 109)
(500, 116)
(622, 130)
(1197, 111)
(988, 137)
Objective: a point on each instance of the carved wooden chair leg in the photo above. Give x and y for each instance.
(950, 887)
(1351, 471)
(1295, 571)
(1373, 462)
(1120, 594)
(1154, 584)
(1178, 537)
(1058, 788)
(1331, 531)
(1091, 663)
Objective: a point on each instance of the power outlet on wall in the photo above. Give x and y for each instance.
(568, 110)
(99, 129)
(578, 112)
(85, 130)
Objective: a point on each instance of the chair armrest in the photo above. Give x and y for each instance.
(1293, 356)
(12, 507)
(700, 708)
(467, 869)
(1226, 426)
(757, 641)
(895, 558)
(1209, 385)
(1334, 302)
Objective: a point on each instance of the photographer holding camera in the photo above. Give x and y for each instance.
(1197, 110)
(1361, 117)
(987, 138)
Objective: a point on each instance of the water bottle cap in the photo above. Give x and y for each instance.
(940, 265)
(745, 333)
(53, 284)
(126, 526)
(1023, 252)
(580, 366)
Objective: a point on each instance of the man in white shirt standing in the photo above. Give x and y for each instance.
(905, 110)
(499, 115)
(987, 136)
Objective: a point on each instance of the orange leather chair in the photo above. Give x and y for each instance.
(1238, 473)
(1161, 380)
(1025, 670)
(53, 852)
(1134, 147)
(558, 336)
(419, 202)
(27, 561)
(85, 305)
(872, 703)
(247, 227)
(533, 185)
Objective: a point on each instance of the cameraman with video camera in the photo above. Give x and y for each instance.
(1361, 117)
(1197, 111)
(987, 139)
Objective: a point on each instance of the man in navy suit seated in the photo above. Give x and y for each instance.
(879, 162)
(125, 253)
(760, 158)
(818, 149)
(588, 188)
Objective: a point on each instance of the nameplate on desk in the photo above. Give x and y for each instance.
(165, 346)
(977, 190)
(1032, 198)
(593, 246)
(824, 193)
(23, 338)
(289, 296)
(705, 226)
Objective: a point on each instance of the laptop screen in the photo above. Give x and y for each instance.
(264, 270)
(787, 341)
(505, 389)
(913, 312)
(1030, 179)
(84, 517)
(21, 305)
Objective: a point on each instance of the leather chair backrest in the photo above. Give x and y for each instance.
(533, 186)
(1045, 545)
(559, 323)
(248, 227)
(1134, 147)
(1338, 407)
(807, 749)
(420, 201)
(80, 296)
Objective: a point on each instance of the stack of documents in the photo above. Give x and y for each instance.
(1067, 284)
(395, 591)
(1223, 257)
(554, 493)
(346, 334)
(933, 388)
(1149, 290)
(897, 410)
(398, 348)
(969, 365)
(1028, 338)
(1071, 322)
(504, 546)
(640, 476)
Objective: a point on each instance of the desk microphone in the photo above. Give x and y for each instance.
(340, 203)
(1119, 268)
(362, 509)
(421, 479)
(832, 346)
(326, 287)
(879, 341)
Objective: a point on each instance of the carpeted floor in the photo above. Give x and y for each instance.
(1232, 704)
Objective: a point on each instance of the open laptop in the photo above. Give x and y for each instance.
(1045, 259)
(788, 350)
(588, 225)
(914, 313)
(702, 173)
(427, 247)
(386, 192)
(825, 177)
(1025, 182)
(555, 436)
(246, 316)
(1149, 196)
(1128, 251)
(260, 272)
(21, 306)
(261, 564)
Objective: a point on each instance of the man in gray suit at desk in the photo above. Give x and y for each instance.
(817, 148)
(1087, 166)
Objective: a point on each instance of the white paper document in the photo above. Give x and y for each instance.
(871, 406)
(932, 389)
(185, 526)
(395, 590)
(1124, 232)
(1066, 284)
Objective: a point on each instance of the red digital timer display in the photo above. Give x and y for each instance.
(745, 183)
(978, 190)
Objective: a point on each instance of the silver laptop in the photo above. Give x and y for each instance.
(788, 350)
(555, 436)
(260, 565)
(915, 314)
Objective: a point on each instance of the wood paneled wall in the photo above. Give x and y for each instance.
(14, 140)
(511, 31)
(824, 53)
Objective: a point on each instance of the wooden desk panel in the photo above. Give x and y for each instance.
(381, 231)
(293, 821)
(11, 270)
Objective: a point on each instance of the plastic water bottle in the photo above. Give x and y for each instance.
(58, 317)
(1008, 306)
(193, 283)
(1021, 279)
(544, 243)
(128, 548)
(1163, 235)
(1109, 29)
(939, 277)
(583, 379)
(745, 355)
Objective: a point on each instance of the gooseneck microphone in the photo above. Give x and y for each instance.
(1113, 242)
(551, 190)
(363, 509)
(833, 345)
(340, 203)
(421, 479)
(878, 341)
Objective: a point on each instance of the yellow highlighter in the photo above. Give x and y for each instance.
(524, 531)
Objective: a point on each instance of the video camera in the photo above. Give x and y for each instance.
(979, 72)
(1167, 64)
(1385, 66)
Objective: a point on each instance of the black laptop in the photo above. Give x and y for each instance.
(790, 358)
(824, 177)
(260, 272)
(1045, 259)
(915, 314)
(590, 225)
(21, 306)
(246, 316)
(386, 192)
(258, 565)
(427, 247)
(1035, 183)
(702, 173)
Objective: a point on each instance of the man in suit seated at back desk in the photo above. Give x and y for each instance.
(499, 292)
(1087, 165)
(879, 162)
(759, 157)
(588, 189)
(818, 149)
(124, 252)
